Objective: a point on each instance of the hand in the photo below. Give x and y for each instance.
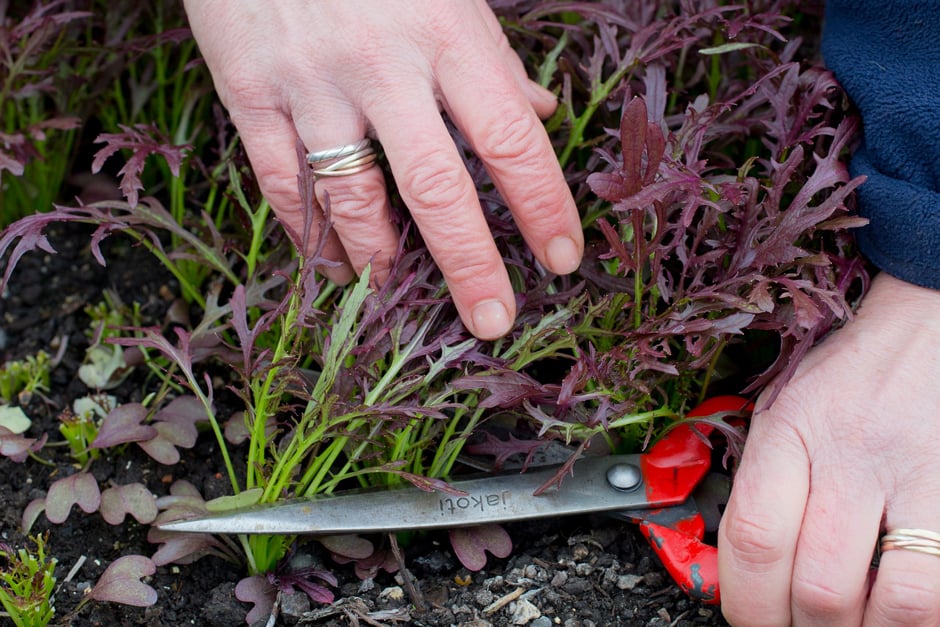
(850, 447)
(331, 72)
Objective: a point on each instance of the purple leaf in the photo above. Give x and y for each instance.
(161, 448)
(347, 545)
(16, 447)
(142, 140)
(31, 514)
(123, 424)
(79, 489)
(258, 591)
(472, 543)
(502, 450)
(134, 499)
(120, 582)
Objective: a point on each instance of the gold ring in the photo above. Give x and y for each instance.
(920, 540)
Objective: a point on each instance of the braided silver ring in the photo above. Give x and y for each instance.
(343, 160)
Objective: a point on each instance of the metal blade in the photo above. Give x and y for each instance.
(493, 499)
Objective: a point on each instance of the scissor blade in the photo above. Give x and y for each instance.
(492, 499)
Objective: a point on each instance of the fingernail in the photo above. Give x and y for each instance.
(490, 320)
(545, 94)
(563, 255)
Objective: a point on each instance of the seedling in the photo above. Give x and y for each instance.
(20, 379)
(27, 581)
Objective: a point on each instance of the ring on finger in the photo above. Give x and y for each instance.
(919, 540)
(343, 160)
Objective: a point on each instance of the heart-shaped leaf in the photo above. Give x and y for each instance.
(120, 582)
(123, 424)
(134, 499)
(258, 591)
(471, 544)
(80, 488)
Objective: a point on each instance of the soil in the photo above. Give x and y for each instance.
(578, 571)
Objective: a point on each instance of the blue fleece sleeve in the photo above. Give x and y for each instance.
(887, 56)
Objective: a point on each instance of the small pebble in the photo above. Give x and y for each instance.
(629, 582)
(392, 593)
(294, 606)
(484, 597)
(541, 621)
(523, 612)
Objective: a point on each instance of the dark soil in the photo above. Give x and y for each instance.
(576, 571)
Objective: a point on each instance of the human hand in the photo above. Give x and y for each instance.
(849, 448)
(331, 72)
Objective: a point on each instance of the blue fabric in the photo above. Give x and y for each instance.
(887, 56)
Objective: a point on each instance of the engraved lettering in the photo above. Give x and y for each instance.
(480, 502)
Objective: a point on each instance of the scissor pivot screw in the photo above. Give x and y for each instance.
(624, 477)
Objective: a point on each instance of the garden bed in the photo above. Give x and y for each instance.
(581, 570)
(706, 150)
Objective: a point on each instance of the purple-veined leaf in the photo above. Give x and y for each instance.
(79, 489)
(121, 582)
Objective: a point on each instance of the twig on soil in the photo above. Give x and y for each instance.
(502, 601)
(417, 599)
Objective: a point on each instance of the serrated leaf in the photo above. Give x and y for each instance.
(120, 582)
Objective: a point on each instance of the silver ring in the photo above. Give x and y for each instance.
(920, 540)
(343, 160)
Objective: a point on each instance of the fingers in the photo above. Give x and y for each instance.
(483, 98)
(542, 100)
(838, 536)
(758, 536)
(358, 203)
(443, 201)
(270, 140)
(906, 590)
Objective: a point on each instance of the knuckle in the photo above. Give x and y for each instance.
(470, 270)
(754, 541)
(508, 134)
(354, 201)
(433, 183)
(908, 602)
(820, 597)
(279, 190)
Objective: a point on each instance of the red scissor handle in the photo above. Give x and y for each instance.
(673, 467)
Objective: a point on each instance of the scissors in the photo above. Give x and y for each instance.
(655, 489)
